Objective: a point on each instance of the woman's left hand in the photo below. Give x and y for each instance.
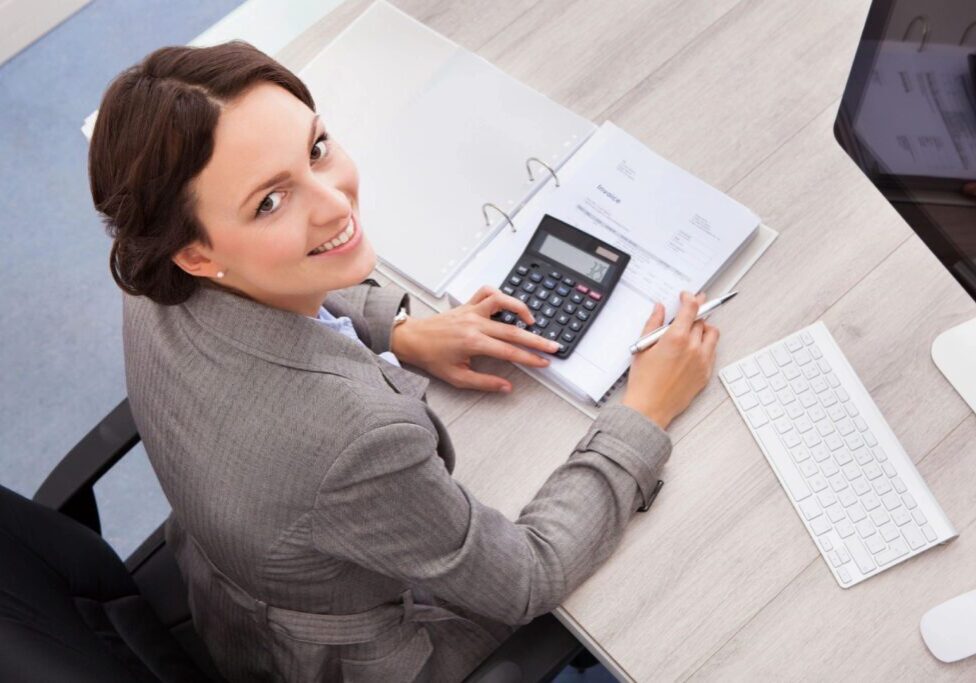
(444, 344)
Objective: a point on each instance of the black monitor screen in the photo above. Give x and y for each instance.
(908, 120)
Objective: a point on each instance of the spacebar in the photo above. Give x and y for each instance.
(782, 462)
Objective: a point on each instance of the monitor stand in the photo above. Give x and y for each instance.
(954, 353)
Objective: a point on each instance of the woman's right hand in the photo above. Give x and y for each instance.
(665, 378)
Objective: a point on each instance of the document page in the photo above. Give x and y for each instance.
(678, 230)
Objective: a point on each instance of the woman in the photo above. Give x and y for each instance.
(314, 514)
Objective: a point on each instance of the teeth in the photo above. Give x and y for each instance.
(339, 240)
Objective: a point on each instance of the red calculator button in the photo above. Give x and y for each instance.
(596, 296)
(582, 288)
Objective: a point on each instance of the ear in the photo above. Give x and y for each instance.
(194, 260)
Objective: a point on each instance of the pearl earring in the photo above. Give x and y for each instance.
(220, 274)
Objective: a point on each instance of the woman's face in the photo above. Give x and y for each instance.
(275, 199)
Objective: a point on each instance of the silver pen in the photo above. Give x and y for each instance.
(652, 338)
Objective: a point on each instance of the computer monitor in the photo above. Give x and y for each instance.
(908, 120)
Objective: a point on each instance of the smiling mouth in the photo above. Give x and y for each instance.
(336, 241)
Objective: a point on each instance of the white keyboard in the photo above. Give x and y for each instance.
(856, 490)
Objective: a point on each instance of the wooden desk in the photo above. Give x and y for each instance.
(721, 580)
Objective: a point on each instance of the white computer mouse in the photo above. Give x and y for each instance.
(949, 629)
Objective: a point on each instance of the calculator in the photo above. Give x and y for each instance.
(565, 277)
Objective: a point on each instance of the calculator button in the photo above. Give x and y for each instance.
(541, 322)
(549, 311)
(568, 336)
(522, 270)
(515, 280)
(520, 324)
(589, 304)
(535, 330)
(562, 319)
(556, 301)
(528, 287)
(556, 275)
(543, 294)
(523, 296)
(551, 334)
(576, 326)
(508, 289)
(570, 308)
(536, 276)
(509, 317)
(561, 291)
(569, 281)
(582, 315)
(576, 297)
(549, 283)
(535, 304)
(583, 289)
(596, 296)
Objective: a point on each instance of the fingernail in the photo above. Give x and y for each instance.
(506, 388)
(554, 345)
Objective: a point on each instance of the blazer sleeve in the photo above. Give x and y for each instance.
(378, 306)
(389, 504)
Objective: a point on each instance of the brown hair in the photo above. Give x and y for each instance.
(153, 135)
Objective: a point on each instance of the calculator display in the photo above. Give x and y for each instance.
(577, 259)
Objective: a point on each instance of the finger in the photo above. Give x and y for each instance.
(696, 332)
(686, 314)
(510, 333)
(710, 340)
(499, 301)
(656, 319)
(488, 346)
(484, 291)
(469, 379)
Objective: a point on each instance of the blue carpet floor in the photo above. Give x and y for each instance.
(60, 343)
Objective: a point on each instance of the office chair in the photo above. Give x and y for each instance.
(70, 609)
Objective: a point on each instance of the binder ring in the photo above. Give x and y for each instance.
(925, 30)
(528, 167)
(966, 31)
(484, 212)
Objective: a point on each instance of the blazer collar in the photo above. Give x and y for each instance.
(296, 341)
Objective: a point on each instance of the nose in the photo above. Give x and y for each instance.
(329, 204)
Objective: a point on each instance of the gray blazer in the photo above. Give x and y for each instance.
(315, 518)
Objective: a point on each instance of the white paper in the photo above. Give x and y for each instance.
(436, 133)
(679, 231)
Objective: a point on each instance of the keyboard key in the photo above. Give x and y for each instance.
(872, 471)
(808, 468)
(870, 501)
(909, 501)
(826, 499)
(810, 509)
(901, 516)
(889, 532)
(549, 283)
(833, 442)
(746, 402)
(790, 439)
(919, 517)
(738, 387)
(846, 497)
(806, 338)
(820, 525)
(842, 457)
(891, 501)
(781, 356)
(844, 528)
(794, 344)
(780, 458)
(817, 483)
(766, 397)
(766, 364)
(881, 486)
(888, 469)
(811, 438)
(879, 517)
(810, 371)
(791, 371)
(869, 439)
(838, 483)
(914, 537)
(835, 513)
(845, 576)
(802, 357)
(800, 454)
(535, 276)
(894, 551)
(899, 485)
(775, 412)
(929, 532)
(856, 513)
(863, 561)
(778, 384)
(875, 544)
(834, 558)
(750, 368)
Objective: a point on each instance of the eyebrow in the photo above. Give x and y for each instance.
(284, 175)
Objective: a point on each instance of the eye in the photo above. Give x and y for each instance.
(269, 204)
(320, 149)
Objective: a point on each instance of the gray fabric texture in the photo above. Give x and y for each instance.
(315, 518)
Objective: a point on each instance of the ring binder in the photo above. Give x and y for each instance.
(528, 168)
(965, 33)
(925, 30)
(484, 212)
